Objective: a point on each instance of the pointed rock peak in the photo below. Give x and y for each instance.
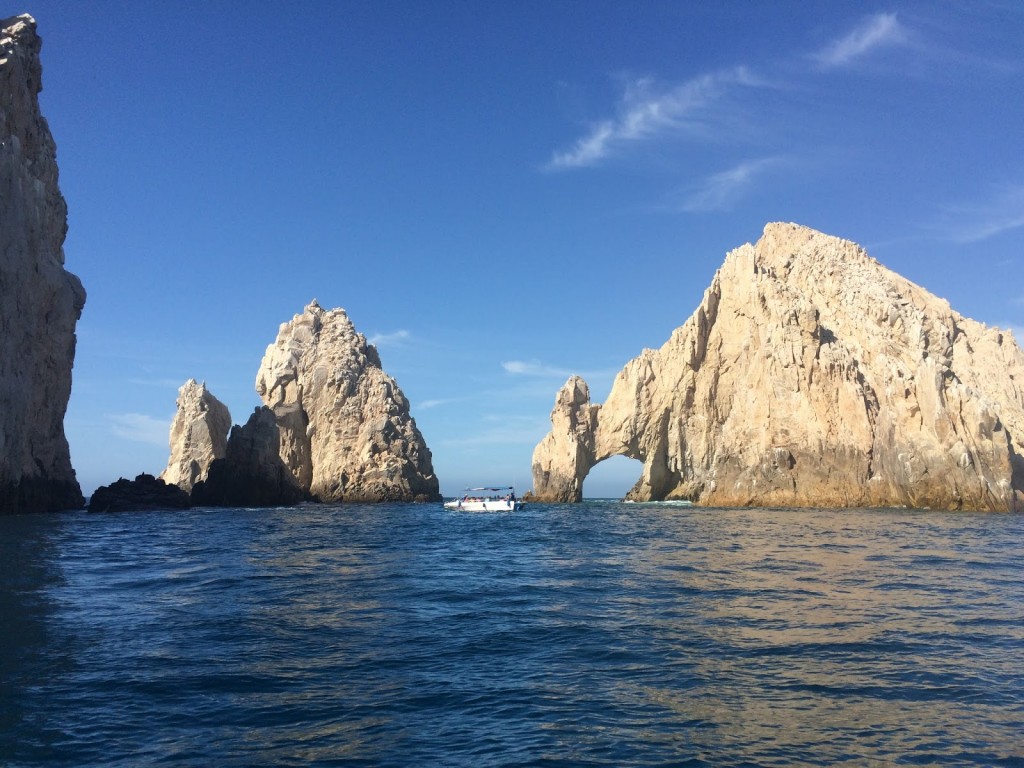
(785, 245)
(574, 392)
(16, 25)
(199, 435)
(347, 431)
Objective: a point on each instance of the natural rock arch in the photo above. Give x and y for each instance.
(809, 375)
(577, 443)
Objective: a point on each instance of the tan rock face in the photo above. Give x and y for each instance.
(346, 430)
(40, 302)
(199, 434)
(809, 375)
(558, 460)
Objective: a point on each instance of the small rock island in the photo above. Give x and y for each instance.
(334, 427)
(810, 375)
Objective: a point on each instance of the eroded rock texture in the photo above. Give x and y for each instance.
(346, 430)
(251, 474)
(810, 375)
(199, 434)
(40, 302)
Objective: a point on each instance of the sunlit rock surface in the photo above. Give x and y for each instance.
(346, 430)
(40, 302)
(810, 375)
(199, 434)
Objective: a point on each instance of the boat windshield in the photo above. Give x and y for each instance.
(499, 492)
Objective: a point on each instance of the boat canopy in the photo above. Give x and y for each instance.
(498, 488)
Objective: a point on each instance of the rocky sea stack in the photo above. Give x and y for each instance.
(40, 301)
(334, 427)
(199, 434)
(810, 375)
(346, 430)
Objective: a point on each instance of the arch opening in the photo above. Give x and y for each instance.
(612, 478)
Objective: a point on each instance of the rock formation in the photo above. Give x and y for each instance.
(40, 302)
(346, 430)
(145, 492)
(809, 375)
(251, 474)
(199, 434)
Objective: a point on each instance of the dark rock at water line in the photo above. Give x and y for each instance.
(145, 492)
(252, 473)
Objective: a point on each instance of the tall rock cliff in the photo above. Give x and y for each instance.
(40, 302)
(346, 430)
(199, 434)
(810, 375)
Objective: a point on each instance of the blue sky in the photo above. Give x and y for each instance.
(500, 195)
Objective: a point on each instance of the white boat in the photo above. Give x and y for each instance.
(501, 499)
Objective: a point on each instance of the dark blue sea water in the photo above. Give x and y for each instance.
(601, 634)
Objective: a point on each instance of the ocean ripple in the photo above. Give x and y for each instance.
(594, 634)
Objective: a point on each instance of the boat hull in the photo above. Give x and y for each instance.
(488, 505)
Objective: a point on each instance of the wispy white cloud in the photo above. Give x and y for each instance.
(435, 403)
(722, 189)
(644, 112)
(159, 383)
(708, 104)
(139, 428)
(972, 222)
(535, 368)
(524, 433)
(876, 31)
(390, 339)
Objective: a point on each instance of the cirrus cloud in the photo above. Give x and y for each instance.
(389, 339)
(720, 190)
(879, 30)
(140, 428)
(646, 112)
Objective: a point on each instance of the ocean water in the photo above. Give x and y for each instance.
(599, 634)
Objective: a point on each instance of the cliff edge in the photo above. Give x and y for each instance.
(40, 302)
(810, 375)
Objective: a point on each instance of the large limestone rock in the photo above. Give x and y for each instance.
(199, 434)
(346, 430)
(810, 375)
(40, 302)
(251, 474)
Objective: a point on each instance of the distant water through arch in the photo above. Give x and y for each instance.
(612, 478)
